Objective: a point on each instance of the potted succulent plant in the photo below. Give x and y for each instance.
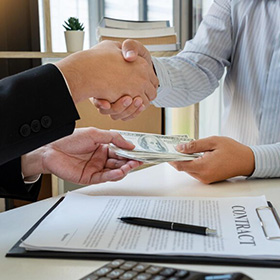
(74, 34)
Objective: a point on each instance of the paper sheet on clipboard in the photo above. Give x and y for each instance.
(83, 223)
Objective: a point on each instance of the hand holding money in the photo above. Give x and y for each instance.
(154, 148)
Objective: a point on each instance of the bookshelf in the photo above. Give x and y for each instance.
(47, 39)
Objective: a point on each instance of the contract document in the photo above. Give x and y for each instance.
(83, 223)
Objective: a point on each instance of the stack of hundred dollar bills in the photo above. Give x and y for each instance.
(154, 148)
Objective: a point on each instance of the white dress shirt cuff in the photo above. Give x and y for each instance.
(31, 179)
(267, 160)
(164, 80)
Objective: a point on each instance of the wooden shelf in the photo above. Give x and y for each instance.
(19, 54)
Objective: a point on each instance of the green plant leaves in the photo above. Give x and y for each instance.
(73, 24)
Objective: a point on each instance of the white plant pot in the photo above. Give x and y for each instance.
(74, 40)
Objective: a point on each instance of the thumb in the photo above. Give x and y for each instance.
(100, 136)
(196, 146)
(120, 142)
(106, 137)
(131, 49)
(101, 103)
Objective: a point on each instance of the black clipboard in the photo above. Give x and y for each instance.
(19, 252)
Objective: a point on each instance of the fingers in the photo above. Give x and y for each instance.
(131, 49)
(196, 146)
(223, 158)
(101, 104)
(124, 108)
(118, 108)
(129, 113)
(120, 142)
(130, 165)
(105, 107)
(198, 169)
(135, 114)
(187, 166)
(113, 163)
(151, 90)
(202, 168)
(91, 138)
(115, 174)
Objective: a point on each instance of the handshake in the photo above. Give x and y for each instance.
(118, 78)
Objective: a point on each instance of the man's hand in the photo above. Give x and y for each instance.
(81, 158)
(124, 108)
(127, 108)
(102, 72)
(223, 158)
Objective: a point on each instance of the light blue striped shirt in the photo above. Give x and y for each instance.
(242, 36)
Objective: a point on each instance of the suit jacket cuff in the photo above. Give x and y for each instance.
(12, 184)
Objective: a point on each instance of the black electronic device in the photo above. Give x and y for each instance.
(130, 270)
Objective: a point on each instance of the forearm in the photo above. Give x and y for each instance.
(267, 161)
(182, 83)
(32, 163)
(194, 73)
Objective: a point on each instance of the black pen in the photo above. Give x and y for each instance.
(169, 225)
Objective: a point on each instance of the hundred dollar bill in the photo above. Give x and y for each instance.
(154, 148)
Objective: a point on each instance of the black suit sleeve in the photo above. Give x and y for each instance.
(12, 184)
(35, 109)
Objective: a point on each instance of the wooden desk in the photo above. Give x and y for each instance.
(161, 180)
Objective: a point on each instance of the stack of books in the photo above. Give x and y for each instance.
(155, 35)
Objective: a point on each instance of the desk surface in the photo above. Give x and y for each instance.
(161, 180)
